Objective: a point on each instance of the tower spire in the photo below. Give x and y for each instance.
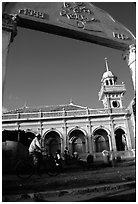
(70, 102)
(106, 64)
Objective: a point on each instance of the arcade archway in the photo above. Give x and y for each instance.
(101, 140)
(52, 142)
(120, 138)
(77, 141)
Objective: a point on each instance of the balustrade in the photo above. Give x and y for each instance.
(53, 114)
(29, 115)
(9, 116)
(76, 113)
(60, 114)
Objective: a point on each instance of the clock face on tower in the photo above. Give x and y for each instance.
(115, 104)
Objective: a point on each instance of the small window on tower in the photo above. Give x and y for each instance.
(115, 104)
(111, 82)
(107, 82)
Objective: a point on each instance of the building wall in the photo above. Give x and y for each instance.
(68, 130)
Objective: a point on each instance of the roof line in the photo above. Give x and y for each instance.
(78, 105)
(46, 106)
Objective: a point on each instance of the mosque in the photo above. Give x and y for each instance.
(81, 129)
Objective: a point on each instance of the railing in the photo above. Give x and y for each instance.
(109, 88)
(76, 113)
(52, 114)
(28, 115)
(99, 111)
(58, 114)
(10, 117)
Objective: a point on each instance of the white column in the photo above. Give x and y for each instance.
(8, 33)
(65, 142)
(130, 57)
(93, 149)
(110, 141)
(86, 145)
(6, 38)
(88, 139)
(127, 135)
(113, 141)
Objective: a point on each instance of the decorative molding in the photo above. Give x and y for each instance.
(78, 13)
(130, 57)
(9, 23)
(120, 36)
(33, 13)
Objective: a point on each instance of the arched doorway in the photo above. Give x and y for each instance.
(101, 140)
(120, 139)
(52, 142)
(77, 141)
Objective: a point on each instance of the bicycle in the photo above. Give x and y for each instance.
(25, 168)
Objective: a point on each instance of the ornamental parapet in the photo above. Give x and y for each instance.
(111, 89)
(115, 88)
(61, 114)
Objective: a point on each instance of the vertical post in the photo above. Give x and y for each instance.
(9, 31)
(110, 141)
(18, 133)
(130, 57)
(93, 148)
(65, 141)
(112, 135)
(89, 143)
(127, 135)
(86, 145)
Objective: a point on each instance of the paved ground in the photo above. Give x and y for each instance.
(125, 195)
(75, 185)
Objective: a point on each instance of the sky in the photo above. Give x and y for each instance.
(46, 69)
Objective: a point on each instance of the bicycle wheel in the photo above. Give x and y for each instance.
(24, 169)
(52, 169)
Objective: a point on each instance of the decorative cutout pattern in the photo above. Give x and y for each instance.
(78, 12)
(120, 36)
(30, 12)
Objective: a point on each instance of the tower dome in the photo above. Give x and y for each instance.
(108, 74)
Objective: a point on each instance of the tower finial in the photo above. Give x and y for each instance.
(70, 102)
(106, 64)
(25, 104)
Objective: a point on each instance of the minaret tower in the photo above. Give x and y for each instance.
(111, 93)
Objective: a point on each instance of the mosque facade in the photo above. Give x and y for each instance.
(81, 129)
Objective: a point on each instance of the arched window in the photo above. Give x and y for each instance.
(53, 146)
(101, 140)
(52, 142)
(77, 145)
(107, 82)
(101, 143)
(111, 82)
(120, 138)
(77, 142)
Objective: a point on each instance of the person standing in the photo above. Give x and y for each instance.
(35, 150)
(58, 160)
(58, 156)
(66, 155)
